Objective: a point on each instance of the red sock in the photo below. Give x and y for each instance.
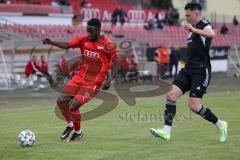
(64, 107)
(76, 116)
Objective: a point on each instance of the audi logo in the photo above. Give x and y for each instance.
(91, 54)
(90, 13)
(136, 15)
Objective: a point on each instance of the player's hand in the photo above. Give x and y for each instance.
(46, 40)
(189, 27)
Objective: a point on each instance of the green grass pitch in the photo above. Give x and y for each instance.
(124, 132)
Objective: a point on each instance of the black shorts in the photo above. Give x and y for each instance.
(195, 80)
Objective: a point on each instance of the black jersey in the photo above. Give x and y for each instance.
(198, 46)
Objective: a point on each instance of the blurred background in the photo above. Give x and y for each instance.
(154, 28)
(151, 33)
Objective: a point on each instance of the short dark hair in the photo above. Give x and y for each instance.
(193, 6)
(94, 22)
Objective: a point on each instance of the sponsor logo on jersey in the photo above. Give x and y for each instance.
(91, 54)
(198, 88)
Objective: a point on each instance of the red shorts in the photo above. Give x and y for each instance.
(82, 92)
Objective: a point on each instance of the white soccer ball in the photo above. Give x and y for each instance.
(26, 138)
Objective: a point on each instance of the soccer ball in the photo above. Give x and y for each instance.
(26, 138)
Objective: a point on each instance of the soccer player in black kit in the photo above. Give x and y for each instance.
(195, 76)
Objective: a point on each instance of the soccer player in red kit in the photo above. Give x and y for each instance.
(88, 78)
(31, 67)
(43, 66)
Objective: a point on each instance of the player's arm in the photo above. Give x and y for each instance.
(206, 32)
(63, 45)
(117, 60)
(109, 78)
(156, 58)
(115, 65)
(114, 70)
(34, 67)
(156, 54)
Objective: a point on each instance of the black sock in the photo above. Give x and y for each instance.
(170, 112)
(207, 114)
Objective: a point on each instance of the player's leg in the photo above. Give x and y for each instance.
(69, 90)
(170, 69)
(170, 110)
(63, 104)
(169, 114)
(76, 117)
(163, 70)
(84, 95)
(158, 70)
(179, 87)
(176, 69)
(198, 88)
(202, 110)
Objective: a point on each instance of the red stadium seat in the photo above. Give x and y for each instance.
(170, 35)
(28, 8)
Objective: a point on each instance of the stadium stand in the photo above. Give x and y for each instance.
(43, 2)
(44, 6)
(29, 8)
(171, 35)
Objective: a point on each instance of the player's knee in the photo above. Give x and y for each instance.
(194, 106)
(74, 105)
(171, 96)
(61, 99)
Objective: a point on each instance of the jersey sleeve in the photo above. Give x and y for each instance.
(77, 42)
(110, 48)
(205, 24)
(113, 55)
(208, 26)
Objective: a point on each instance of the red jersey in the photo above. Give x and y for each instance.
(43, 66)
(31, 68)
(95, 60)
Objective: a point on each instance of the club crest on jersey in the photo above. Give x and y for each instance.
(86, 95)
(91, 54)
(100, 48)
(205, 21)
